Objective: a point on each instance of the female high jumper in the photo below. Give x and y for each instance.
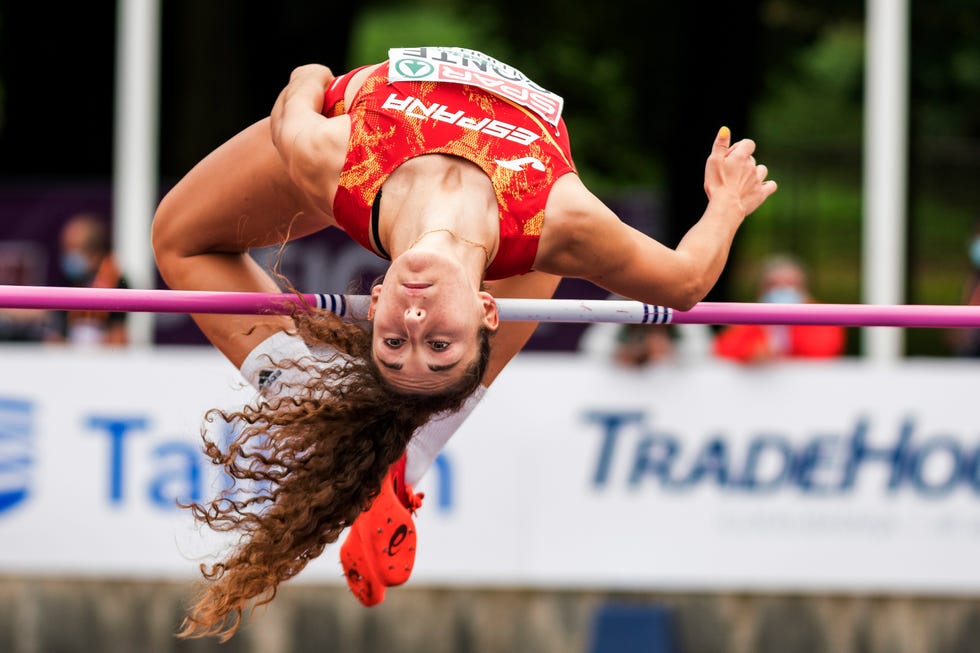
(458, 169)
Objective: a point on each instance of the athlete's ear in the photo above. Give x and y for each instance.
(491, 318)
(375, 293)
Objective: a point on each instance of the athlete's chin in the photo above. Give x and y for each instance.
(420, 261)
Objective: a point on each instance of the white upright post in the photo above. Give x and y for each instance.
(885, 168)
(135, 155)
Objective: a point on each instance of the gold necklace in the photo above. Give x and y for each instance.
(455, 235)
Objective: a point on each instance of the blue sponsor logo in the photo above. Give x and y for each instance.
(175, 472)
(16, 460)
(633, 452)
(177, 468)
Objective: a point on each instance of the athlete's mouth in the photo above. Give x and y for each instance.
(416, 288)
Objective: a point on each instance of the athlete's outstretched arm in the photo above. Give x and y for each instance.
(583, 238)
(237, 198)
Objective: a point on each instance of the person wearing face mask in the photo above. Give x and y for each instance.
(966, 342)
(783, 281)
(86, 261)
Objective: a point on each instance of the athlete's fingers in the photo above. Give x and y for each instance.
(761, 171)
(722, 141)
(744, 147)
(315, 70)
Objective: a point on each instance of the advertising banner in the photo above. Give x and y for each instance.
(837, 476)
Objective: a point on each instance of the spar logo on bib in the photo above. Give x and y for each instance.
(462, 66)
(16, 459)
(414, 68)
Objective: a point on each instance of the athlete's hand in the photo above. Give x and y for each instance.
(304, 93)
(312, 70)
(312, 77)
(308, 144)
(732, 175)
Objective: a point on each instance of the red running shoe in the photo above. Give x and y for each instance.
(379, 551)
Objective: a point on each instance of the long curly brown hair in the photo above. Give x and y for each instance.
(318, 453)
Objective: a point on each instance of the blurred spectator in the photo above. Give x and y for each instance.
(23, 325)
(966, 342)
(22, 263)
(629, 345)
(783, 281)
(87, 262)
(643, 344)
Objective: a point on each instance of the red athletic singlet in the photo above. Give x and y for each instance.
(394, 121)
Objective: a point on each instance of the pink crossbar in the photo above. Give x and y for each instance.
(540, 310)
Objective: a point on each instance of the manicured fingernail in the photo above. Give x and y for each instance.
(724, 132)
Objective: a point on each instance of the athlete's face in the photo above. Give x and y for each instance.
(426, 322)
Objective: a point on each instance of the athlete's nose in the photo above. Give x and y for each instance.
(415, 314)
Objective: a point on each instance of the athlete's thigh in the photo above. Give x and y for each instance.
(239, 196)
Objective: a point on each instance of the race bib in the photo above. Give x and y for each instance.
(462, 66)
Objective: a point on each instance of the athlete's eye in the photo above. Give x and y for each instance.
(394, 343)
(438, 345)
